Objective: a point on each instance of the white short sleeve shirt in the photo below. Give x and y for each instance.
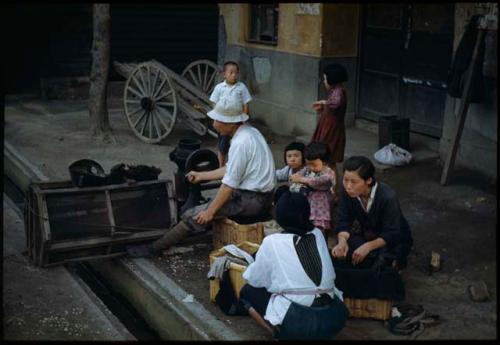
(221, 90)
(277, 268)
(250, 164)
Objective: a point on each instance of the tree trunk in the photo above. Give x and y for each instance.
(98, 111)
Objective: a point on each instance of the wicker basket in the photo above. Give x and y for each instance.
(226, 231)
(371, 308)
(235, 270)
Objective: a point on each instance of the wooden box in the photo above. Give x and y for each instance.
(226, 231)
(235, 270)
(371, 308)
(66, 223)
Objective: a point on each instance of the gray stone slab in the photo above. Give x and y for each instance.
(48, 304)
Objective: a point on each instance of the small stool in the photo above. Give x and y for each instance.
(227, 231)
(370, 308)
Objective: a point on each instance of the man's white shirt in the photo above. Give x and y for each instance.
(250, 164)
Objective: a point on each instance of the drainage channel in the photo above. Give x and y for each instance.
(113, 300)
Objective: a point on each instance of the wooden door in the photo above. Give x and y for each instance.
(405, 57)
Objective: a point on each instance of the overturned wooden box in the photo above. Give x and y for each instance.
(235, 270)
(65, 223)
(370, 308)
(226, 231)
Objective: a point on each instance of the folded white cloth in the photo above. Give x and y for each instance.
(240, 253)
(221, 264)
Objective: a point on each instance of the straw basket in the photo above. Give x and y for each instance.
(226, 231)
(371, 308)
(235, 270)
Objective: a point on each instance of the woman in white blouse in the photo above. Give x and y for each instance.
(290, 288)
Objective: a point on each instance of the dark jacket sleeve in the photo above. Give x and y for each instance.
(344, 213)
(391, 221)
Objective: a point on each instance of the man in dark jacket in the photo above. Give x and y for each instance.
(383, 235)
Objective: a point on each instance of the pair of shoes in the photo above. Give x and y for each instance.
(413, 318)
(142, 251)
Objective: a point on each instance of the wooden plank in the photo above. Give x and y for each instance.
(172, 202)
(86, 258)
(110, 217)
(464, 107)
(96, 242)
(123, 186)
(181, 81)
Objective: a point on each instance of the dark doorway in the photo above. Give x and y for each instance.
(54, 40)
(405, 57)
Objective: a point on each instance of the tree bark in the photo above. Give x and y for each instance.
(98, 111)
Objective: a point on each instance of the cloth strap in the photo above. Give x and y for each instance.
(304, 292)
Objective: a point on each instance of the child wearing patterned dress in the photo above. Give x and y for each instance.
(319, 179)
(331, 128)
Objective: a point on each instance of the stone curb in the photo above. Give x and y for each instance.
(150, 291)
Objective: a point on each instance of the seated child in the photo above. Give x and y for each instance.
(294, 160)
(316, 180)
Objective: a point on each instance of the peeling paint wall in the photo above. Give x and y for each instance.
(285, 79)
(299, 27)
(478, 144)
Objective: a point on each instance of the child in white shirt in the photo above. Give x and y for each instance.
(230, 85)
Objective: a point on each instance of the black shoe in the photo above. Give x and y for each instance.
(142, 251)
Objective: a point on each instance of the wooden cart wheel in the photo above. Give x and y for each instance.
(204, 74)
(150, 103)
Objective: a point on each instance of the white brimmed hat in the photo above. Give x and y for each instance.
(229, 110)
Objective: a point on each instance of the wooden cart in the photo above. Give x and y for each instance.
(155, 97)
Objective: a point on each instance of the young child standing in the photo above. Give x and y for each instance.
(230, 85)
(319, 178)
(330, 128)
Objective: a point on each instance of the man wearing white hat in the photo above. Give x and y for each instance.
(248, 179)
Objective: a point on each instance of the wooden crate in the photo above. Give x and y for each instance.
(65, 223)
(235, 270)
(371, 308)
(227, 231)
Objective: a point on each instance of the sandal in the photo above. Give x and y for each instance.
(413, 318)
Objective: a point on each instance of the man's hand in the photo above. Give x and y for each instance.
(296, 178)
(340, 250)
(204, 217)
(360, 253)
(194, 177)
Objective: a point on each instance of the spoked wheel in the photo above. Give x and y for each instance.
(204, 74)
(150, 103)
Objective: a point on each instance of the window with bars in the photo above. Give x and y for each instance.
(264, 23)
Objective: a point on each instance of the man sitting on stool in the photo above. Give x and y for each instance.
(248, 179)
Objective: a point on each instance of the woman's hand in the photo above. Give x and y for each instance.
(360, 254)
(296, 178)
(340, 250)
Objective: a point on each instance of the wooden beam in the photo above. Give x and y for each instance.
(464, 107)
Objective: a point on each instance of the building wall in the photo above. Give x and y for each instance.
(285, 79)
(478, 144)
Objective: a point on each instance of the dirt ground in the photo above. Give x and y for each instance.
(458, 222)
